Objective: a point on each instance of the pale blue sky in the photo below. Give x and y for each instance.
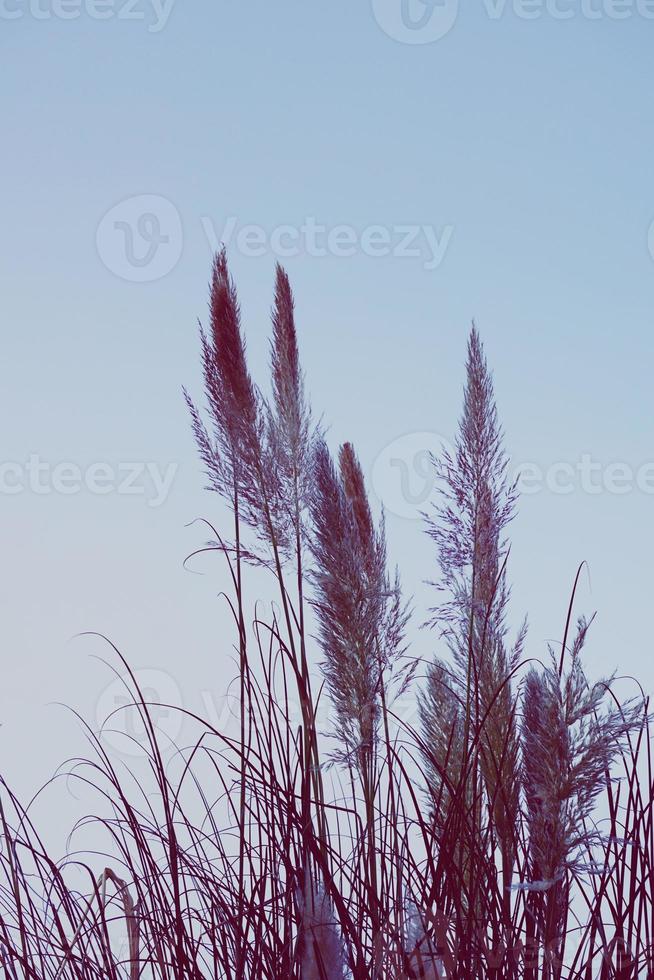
(530, 140)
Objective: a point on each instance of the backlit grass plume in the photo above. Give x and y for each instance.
(360, 614)
(232, 447)
(468, 708)
(290, 428)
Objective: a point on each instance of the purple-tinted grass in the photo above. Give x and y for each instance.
(507, 833)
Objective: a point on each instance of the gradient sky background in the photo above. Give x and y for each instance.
(531, 139)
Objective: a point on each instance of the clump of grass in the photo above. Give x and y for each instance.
(571, 739)
(490, 841)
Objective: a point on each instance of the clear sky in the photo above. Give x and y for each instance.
(511, 158)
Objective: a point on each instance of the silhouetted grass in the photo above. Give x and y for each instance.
(507, 835)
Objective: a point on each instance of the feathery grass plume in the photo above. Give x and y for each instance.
(467, 710)
(234, 449)
(256, 454)
(322, 951)
(290, 425)
(442, 717)
(570, 740)
(479, 500)
(468, 526)
(392, 613)
(342, 601)
(360, 615)
(361, 630)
